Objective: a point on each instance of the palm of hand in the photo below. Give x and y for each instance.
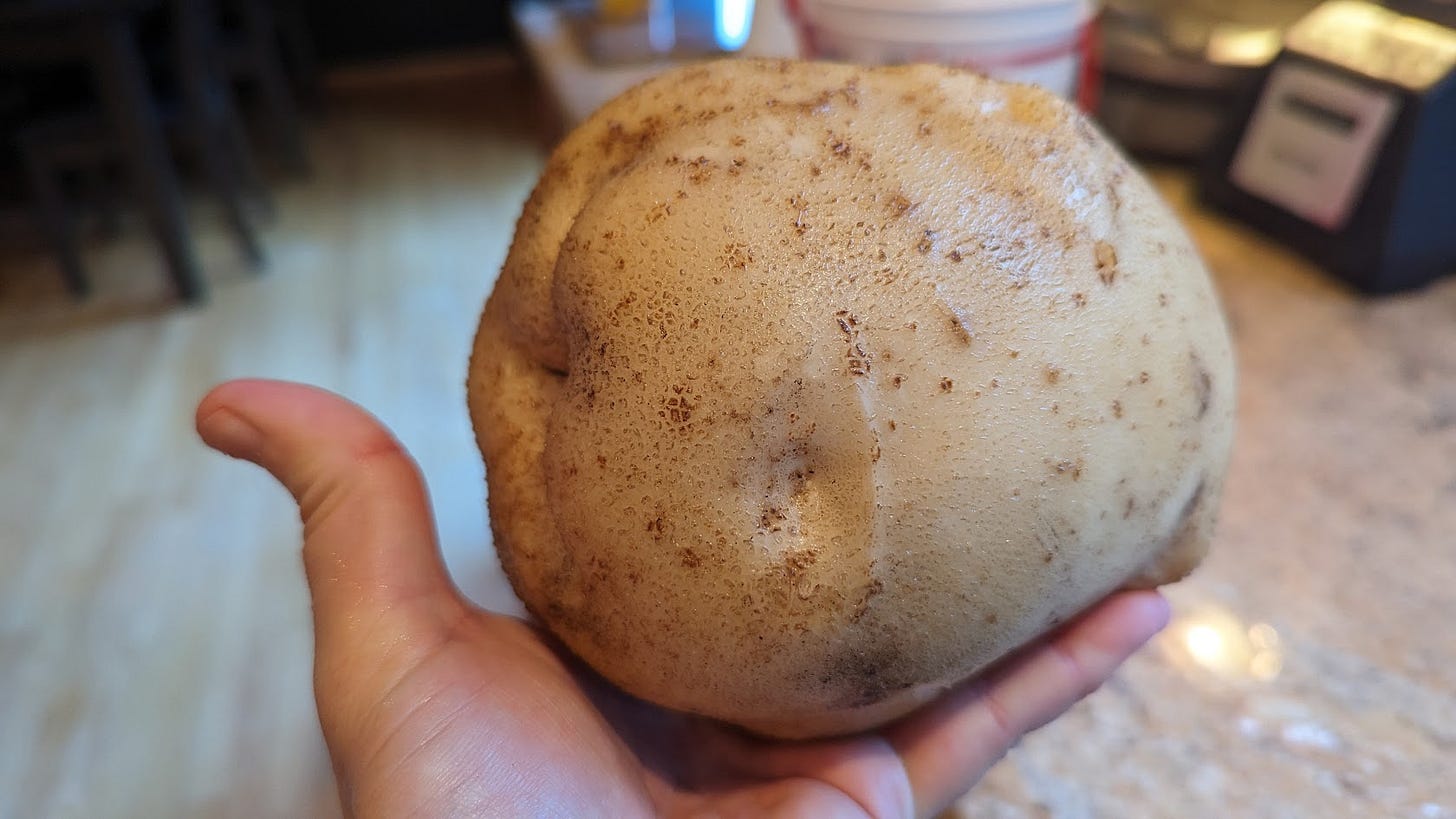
(432, 707)
(493, 720)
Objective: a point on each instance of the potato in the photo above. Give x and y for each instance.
(809, 391)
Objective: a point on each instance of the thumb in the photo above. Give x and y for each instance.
(374, 569)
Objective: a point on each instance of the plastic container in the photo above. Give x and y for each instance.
(1045, 42)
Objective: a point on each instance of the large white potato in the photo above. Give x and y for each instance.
(809, 391)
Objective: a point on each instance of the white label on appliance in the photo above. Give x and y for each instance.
(1311, 142)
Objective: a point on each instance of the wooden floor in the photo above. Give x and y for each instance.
(154, 640)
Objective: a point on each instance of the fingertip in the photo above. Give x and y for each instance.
(220, 423)
(952, 743)
(229, 433)
(227, 393)
(1154, 610)
(222, 427)
(369, 541)
(1131, 618)
(303, 435)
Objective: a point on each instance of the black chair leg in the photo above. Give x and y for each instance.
(234, 141)
(299, 52)
(207, 117)
(55, 220)
(120, 75)
(223, 180)
(101, 189)
(284, 123)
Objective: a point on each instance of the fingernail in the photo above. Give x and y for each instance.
(1157, 611)
(227, 432)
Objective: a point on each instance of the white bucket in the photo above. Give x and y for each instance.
(1045, 42)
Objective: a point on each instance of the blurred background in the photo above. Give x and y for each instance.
(320, 190)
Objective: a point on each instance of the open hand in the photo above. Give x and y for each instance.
(433, 707)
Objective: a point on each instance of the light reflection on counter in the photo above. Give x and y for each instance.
(1213, 639)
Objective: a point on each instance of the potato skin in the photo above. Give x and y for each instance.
(808, 391)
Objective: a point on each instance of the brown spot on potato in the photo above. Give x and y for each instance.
(1106, 256)
(900, 205)
(1191, 505)
(871, 675)
(702, 170)
(960, 328)
(1112, 193)
(867, 594)
(737, 255)
(1068, 467)
(946, 385)
(1116, 409)
(1052, 374)
(1202, 384)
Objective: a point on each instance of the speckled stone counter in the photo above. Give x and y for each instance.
(1310, 670)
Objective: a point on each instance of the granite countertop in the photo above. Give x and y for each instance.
(1310, 670)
